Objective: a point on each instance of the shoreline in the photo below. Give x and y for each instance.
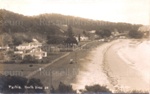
(141, 55)
(92, 72)
(121, 74)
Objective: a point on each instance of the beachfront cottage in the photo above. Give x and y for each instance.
(33, 49)
(29, 46)
(84, 38)
(38, 53)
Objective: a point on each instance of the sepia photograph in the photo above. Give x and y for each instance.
(74, 46)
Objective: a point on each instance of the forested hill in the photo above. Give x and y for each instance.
(85, 24)
(50, 23)
(13, 22)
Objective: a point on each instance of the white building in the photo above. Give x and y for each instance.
(33, 49)
(29, 46)
(38, 53)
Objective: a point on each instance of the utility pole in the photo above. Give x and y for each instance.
(149, 21)
(50, 82)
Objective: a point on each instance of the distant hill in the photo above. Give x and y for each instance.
(85, 24)
(13, 22)
(76, 31)
(41, 26)
(52, 23)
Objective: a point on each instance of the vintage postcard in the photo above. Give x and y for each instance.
(74, 46)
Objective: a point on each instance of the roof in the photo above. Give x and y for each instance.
(31, 43)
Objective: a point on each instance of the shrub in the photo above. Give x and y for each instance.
(7, 84)
(135, 34)
(96, 89)
(62, 88)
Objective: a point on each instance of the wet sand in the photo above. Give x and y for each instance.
(121, 74)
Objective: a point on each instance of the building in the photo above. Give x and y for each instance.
(38, 53)
(29, 46)
(33, 49)
(82, 38)
(6, 48)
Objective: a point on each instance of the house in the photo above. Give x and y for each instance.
(29, 46)
(115, 33)
(6, 48)
(33, 49)
(38, 53)
(82, 38)
(92, 31)
(92, 35)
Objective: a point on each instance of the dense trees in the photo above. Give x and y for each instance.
(70, 41)
(96, 89)
(87, 24)
(18, 84)
(63, 88)
(70, 37)
(16, 23)
(70, 32)
(55, 39)
(47, 24)
(104, 33)
(135, 34)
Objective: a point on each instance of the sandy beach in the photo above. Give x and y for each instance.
(91, 68)
(104, 66)
(122, 74)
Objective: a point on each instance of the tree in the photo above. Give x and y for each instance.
(35, 83)
(135, 34)
(84, 33)
(6, 39)
(55, 39)
(104, 33)
(16, 41)
(71, 39)
(8, 82)
(79, 37)
(29, 59)
(63, 88)
(96, 89)
(1, 21)
(70, 31)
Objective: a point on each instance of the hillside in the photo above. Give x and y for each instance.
(44, 25)
(85, 24)
(48, 23)
(19, 28)
(12, 22)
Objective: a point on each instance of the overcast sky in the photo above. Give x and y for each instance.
(131, 11)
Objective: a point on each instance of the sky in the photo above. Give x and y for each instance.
(129, 11)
